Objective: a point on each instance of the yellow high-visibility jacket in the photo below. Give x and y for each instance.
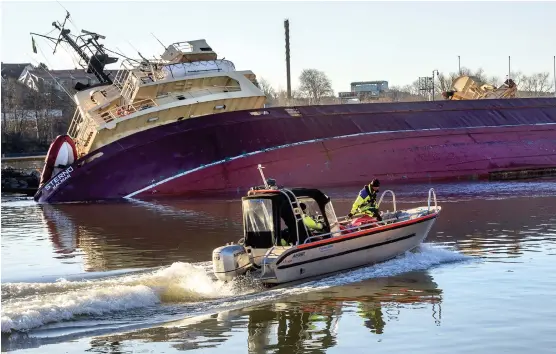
(365, 203)
(310, 223)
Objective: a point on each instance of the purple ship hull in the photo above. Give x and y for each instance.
(316, 146)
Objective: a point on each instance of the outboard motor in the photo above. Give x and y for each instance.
(230, 261)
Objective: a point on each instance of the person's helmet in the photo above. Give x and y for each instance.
(375, 183)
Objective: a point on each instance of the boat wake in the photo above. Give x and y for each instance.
(174, 292)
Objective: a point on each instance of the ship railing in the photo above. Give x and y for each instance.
(128, 88)
(121, 76)
(77, 119)
(128, 76)
(81, 130)
(124, 110)
(127, 83)
(158, 74)
(201, 92)
(184, 47)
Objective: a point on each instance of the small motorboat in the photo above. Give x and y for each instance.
(278, 248)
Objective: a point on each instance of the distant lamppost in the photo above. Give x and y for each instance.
(433, 82)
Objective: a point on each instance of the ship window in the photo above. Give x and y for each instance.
(258, 113)
(180, 118)
(220, 107)
(293, 112)
(180, 97)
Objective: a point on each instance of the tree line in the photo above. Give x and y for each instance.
(535, 85)
(32, 119)
(316, 87)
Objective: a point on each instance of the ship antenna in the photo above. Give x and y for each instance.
(162, 44)
(138, 52)
(55, 24)
(260, 168)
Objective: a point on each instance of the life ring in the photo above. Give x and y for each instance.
(61, 153)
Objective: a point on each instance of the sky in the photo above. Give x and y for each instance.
(349, 41)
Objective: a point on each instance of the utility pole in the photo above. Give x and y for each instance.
(509, 68)
(459, 65)
(433, 82)
(288, 76)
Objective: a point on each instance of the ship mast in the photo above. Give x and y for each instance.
(97, 59)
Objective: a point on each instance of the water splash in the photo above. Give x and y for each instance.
(30, 305)
(26, 306)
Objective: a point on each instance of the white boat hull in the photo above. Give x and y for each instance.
(345, 252)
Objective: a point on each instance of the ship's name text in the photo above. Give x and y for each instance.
(59, 179)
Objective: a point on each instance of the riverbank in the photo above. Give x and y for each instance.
(20, 181)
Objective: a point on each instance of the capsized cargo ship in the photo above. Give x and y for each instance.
(190, 124)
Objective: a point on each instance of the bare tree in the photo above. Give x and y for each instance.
(31, 119)
(267, 89)
(538, 84)
(407, 93)
(314, 85)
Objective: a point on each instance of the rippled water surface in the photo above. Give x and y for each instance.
(134, 277)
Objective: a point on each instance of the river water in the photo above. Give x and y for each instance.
(133, 278)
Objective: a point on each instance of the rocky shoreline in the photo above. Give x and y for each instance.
(20, 181)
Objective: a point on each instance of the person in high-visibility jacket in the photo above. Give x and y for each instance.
(308, 220)
(366, 203)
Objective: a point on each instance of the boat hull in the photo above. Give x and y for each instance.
(341, 253)
(316, 146)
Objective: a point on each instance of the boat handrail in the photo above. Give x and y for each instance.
(431, 191)
(296, 201)
(267, 253)
(124, 110)
(393, 198)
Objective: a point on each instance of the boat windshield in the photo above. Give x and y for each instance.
(330, 214)
(257, 214)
